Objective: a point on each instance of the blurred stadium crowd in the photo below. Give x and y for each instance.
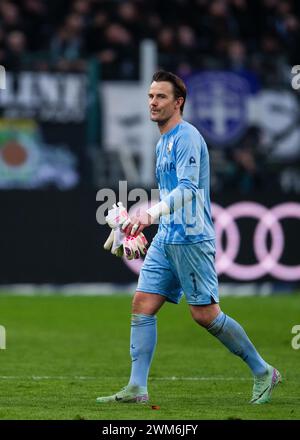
(260, 36)
(191, 34)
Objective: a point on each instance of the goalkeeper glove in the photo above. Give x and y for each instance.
(114, 242)
(133, 247)
(118, 217)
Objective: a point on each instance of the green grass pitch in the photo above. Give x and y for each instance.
(63, 352)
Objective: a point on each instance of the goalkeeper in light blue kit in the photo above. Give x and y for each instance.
(181, 258)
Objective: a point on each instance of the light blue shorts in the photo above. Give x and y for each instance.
(173, 269)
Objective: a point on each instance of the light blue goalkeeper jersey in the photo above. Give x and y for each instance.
(182, 171)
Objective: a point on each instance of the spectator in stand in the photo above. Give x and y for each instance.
(10, 17)
(83, 8)
(292, 38)
(96, 31)
(248, 164)
(219, 25)
(129, 17)
(236, 56)
(38, 27)
(268, 59)
(167, 48)
(67, 45)
(243, 17)
(287, 26)
(187, 48)
(190, 34)
(14, 57)
(118, 54)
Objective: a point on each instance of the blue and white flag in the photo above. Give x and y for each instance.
(218, 102)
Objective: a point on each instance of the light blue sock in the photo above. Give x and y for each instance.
(143, 340)
(233, 336)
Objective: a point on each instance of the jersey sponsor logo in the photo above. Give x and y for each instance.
(166, 167)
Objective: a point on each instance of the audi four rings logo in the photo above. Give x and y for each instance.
(268, 260)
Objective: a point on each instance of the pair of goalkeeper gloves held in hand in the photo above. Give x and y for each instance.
(118, 243)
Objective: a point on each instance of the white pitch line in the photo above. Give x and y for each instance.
(201, 378)
(49, 378)
(171, 378)
(152, 379)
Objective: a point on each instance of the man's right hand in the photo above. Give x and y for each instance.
(138, 222)
(132, 246)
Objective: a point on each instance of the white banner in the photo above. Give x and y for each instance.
(124, 118)
(275, 112)
(48, 97)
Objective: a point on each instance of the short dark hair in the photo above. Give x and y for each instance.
(179, 87)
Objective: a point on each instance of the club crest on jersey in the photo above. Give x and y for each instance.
(192, 160)
(170, 146)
